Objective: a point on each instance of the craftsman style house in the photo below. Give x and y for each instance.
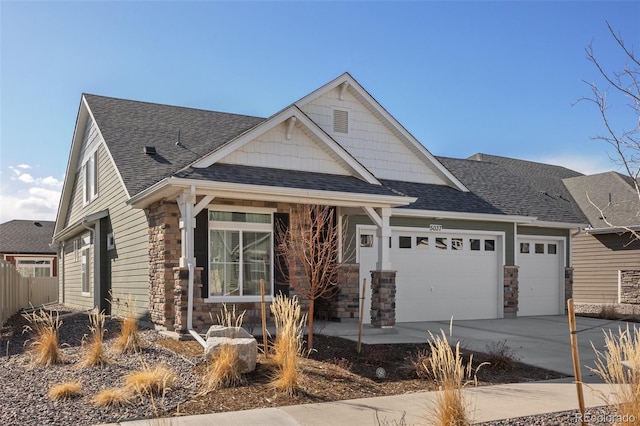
(159, 198)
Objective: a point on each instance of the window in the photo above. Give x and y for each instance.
(456, 244)
(240, 253)
(85, 267)
(539, 248)
(404, 242)
(422, 242)
(111, 242)
(551, 249)
(524, 247)
(489, 245)
(366, 240)
(340, 121)
(90, 177)
(34, 267)
(474, 244)
(441, 243)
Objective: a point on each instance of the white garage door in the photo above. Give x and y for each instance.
(541, 276)
(439, 274)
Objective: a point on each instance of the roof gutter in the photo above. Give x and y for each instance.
(612, 230)
(438, 214)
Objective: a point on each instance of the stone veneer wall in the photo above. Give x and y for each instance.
(164, 255)
(383, 298)
(511, 291)
(630, 287)
(568, 287)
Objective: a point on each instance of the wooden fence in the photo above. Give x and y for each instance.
(18, 292)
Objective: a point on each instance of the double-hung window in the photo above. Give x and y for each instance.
(90, 177)
(240, 253)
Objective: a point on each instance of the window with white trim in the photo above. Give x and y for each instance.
(240, 253)
(34, 267)
(90, 177)
(85, 266)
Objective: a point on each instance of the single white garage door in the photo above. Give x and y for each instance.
(439, 274)
(541, 276)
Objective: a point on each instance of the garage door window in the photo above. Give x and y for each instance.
(366, 240)
(404, 242)
(441, 243)
(489, 245)
(422, 242)
(524, 247)
(551, 249)
(539, 248)
(474, 244)
(456, 244)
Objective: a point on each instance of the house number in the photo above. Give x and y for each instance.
(435, 228)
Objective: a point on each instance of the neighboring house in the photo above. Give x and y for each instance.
(151, 189)
(606, 258)
(27, 245)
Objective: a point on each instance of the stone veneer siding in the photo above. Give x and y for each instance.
(383, 298)
(164, 255)
(630, 286)
(511, 291)
(568, 287)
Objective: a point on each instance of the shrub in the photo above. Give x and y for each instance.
(150, 381)
(418, 364)
(94, 354)
(44, 347)
(608, 312)
(66, 390)
(287, 347)
(112, 397)
(624, 381)
(500, 356)
(451, 374)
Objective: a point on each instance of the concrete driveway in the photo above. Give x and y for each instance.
(543, 341)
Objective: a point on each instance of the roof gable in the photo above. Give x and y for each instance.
(374, 137)
(612, 193)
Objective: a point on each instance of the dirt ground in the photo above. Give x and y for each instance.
(336, 371)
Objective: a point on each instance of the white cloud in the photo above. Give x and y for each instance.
(28, 197)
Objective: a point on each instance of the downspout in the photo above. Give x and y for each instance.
(194, 333)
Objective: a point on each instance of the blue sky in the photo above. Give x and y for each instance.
(463, 77)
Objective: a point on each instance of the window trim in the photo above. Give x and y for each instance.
(241, 227)
(34, 258)
(85, 250)
(90, 166)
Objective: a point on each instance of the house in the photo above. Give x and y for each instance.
(606, 257)
(26, 244)
(160, 198)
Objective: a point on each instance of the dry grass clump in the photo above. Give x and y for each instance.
(151, 381)
(230, 318)
(128, 340)
(223, 370)
(94, 355)
(418, 364)
(624, 395)
(500, 357)
(112, 397)
(288, 344)
(44, 347)
(451, 374)
(65, 390)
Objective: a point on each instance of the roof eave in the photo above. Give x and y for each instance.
(439, 214)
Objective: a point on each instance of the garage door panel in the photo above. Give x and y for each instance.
(540, 276)
(436, 284)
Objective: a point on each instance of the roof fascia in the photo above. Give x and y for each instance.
(438, 214)
(611, 230)
(173, 186)
(563, 225)
(293, 111)
(347, 78)
(79, 225)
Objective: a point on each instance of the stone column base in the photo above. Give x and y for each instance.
(383, 298)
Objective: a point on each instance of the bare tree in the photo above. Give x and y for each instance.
(625, 142)
(309, 247)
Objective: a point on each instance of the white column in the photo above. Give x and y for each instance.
(384, 237)
(186, 202)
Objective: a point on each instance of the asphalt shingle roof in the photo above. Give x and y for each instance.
(128, 126)
(25, 236)
(611, 192)
(252, 175)
(518, 187)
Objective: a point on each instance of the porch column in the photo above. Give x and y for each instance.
(186, 202)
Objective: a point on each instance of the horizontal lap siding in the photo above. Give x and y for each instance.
(595, 274)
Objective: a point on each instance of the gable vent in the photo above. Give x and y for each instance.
(340, 121)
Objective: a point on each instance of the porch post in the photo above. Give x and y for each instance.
(186, 202)
(384, 236)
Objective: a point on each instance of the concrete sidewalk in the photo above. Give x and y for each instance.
(540, 341)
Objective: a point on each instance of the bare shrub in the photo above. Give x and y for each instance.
(418, 364)
(500, 357)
